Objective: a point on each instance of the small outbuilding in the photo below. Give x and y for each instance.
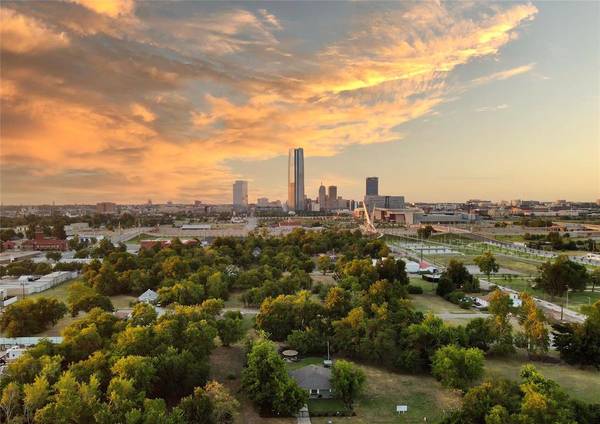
(149, 296)
(315, 379)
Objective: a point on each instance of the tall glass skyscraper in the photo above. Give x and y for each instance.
(372, 186)
(296, 179)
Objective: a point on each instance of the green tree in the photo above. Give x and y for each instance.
(347, 381)
(558, 276)
(35, 396)
(139, 370)
(267, 383)
(53, 255)
(230, 328)
(487, 264)
(338, 302)
(31, 316)
(580, 343)
(457, 367)
(143, 314)
(425, 232)
(324, 264)
(500, 305)
(81, 297)
(73, 402)
(10, 400)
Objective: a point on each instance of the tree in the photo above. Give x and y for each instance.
(595, 278)
(454, 277)
(267, 383)
(53, 255)
(230, 328)
(143, 314)
(84, 298)
(324, 264)
(457, 367)
(500, 305)
(337, 302)
(31, 316)
(487, 264)
(223, 404)
(347, 381)
(580, 343)
(10, 400)
(140, 370)
(480, 333)
(425, 232)
(558, 276)
(535, 334)
(35, 396)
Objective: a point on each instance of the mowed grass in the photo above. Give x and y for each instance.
(582, 384)
(58, 292)
(524, 266)
(425, 397)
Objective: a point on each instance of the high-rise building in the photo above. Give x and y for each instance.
(332, 197)
(106, 207)
(296, 179)
(240, 194)
(372, 186)
(322, 198)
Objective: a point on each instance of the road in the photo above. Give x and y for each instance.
(548, 307)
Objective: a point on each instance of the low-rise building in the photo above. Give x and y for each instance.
(40, 242)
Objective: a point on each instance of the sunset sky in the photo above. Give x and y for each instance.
(444, 101)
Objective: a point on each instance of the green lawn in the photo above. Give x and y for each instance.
(385, 389)
(323, 406)
(578, 383)
(58, 292)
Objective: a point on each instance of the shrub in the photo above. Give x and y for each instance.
(414, 289)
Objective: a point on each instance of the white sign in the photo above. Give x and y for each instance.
(401, 408)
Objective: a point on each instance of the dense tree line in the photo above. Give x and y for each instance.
(146, 370)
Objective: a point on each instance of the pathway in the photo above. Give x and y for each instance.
(553, 308)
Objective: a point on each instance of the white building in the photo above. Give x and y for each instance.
(240, 194)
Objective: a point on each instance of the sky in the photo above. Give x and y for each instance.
(125, 101)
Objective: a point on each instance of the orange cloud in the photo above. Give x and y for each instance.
(111, 8)
(22, 34)
(159, 111)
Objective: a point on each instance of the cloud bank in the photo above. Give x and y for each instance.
(122, 101)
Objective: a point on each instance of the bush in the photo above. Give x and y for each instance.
(414, 289)
(457, 367)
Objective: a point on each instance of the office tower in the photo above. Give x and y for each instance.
(240, 194)
(372, 186)
(322, 198)
(296, 179)
(332, 197)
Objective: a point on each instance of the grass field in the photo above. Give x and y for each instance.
(578, 383)
(385, 389)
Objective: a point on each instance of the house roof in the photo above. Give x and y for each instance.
(148, 295)
(312, 377)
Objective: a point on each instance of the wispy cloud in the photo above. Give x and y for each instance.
(491, 108)
(503, 75)
(163, 101)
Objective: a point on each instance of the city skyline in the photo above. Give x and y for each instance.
(122, 101)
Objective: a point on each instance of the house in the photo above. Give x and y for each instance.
(40, 242)
(149, 296)
(315, 379)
